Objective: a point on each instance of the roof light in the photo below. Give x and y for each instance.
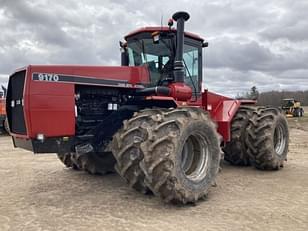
(155, 37)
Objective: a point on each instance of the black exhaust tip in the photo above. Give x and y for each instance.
(180, 14)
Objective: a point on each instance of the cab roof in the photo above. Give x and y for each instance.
(162, 29)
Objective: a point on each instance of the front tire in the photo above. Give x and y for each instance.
(181, 155)
(268, 139)
(126, 148)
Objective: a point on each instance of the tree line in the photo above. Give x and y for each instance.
(274, 98)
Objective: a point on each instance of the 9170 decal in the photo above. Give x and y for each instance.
(45, 77)
(75, 79)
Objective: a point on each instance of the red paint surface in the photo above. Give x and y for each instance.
(49, 107)
(180, 91)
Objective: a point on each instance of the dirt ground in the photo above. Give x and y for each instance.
(38, 193)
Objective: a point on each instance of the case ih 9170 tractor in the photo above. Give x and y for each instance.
(148, 119)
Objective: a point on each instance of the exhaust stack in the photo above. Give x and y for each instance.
(180, 18)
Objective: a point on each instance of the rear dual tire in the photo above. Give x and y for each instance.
(260, 137)
(267, 139)
(235, 151)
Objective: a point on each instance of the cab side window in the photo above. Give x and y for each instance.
(191, 66)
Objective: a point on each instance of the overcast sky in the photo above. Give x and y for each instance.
(262, 43)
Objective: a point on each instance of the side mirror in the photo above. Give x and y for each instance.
(205, 44)
(124, 58)
(123, 46)
(124, 54)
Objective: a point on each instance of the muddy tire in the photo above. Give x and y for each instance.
(267, 139)
(94, 163)
(126, 148)
(235, 151)
(66, 159)
(181, 155)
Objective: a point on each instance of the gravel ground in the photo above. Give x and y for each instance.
(38, 193)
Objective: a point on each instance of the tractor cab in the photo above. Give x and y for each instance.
(287, 103)
(292, 108)
(155, 47)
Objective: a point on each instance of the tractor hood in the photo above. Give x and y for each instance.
(42, 97)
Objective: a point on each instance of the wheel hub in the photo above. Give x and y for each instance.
(279, 140)
(195, 157)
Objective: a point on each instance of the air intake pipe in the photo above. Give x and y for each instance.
(178, 72)
(159, 90)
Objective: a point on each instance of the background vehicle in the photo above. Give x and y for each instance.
(150, 118)
(292, 108)
(3, 123)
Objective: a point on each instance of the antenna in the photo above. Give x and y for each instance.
(161, 21)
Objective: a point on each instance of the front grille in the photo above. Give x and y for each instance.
(15, 103)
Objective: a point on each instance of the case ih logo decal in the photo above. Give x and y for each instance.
(47, 77)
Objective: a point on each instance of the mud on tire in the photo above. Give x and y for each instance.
(235, 151)
(181, 155)
(126, 148)
(267, 139)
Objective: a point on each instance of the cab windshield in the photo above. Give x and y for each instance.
(157, 56)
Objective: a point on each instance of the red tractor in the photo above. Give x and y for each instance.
(148, 119)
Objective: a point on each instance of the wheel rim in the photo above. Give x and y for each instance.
(279, 140)
(195, 157)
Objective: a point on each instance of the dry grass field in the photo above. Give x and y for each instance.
(38, 193)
